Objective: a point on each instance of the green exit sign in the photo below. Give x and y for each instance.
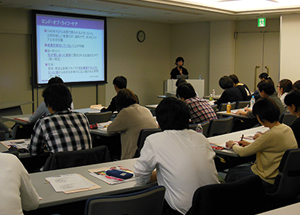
(261, 22)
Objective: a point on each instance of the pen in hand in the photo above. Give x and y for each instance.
(242, 137)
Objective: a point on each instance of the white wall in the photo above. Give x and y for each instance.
(222, 52)
(145, 65)
(289, 47)
(191, 41)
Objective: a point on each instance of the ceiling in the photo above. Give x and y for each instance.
(164, 11)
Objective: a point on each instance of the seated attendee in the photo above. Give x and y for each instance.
(180, 81)
(63, 130)
(200, 109)
(42, 110)
(179, 69)
(183, 158)
(243, 88)
(266, 90)
(269, 147)
(296, 85)
(17, 192)
(292, 100)
(119, 82)
(131, 119)
(284, 87)
(262, 76)
(230, 94)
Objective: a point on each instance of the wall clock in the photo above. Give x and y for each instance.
(141, 36)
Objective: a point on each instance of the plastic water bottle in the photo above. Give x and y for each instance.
(228, 108)
(199, 128)
(213, 93)
(252, 101)
(200, 76)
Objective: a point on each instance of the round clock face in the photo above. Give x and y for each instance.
(141, 36)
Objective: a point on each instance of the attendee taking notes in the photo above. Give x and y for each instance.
(284, 87)
(42, 110)
(269, 147)
(200, 109)
(17, 193)
(183, 158)
(230, 94)
(266, 90)
(296, 85)
(243, 88)
(292, 100)
(63, 130)
(119, 82)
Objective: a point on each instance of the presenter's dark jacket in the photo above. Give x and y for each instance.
(176, 72)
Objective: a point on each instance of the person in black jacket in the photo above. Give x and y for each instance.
(230, 94)
(179, 69)
(243, 88)
(119, 82)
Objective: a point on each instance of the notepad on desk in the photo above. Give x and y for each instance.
(101, 173)
(71, 183)
(23, 119)
(98, 107)
(18, 144)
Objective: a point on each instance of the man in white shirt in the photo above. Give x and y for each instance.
(183, 158)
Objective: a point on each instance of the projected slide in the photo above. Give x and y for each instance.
(72, 48)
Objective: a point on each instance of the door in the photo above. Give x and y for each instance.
(257, 53)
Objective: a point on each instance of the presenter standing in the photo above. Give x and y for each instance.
(179, 69)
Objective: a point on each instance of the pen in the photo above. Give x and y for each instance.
(118, 179)
(242, 137)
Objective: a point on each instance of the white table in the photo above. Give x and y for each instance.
(51, 198)
(12, 107)
(235, 136)
(288, 210)
(232, 113)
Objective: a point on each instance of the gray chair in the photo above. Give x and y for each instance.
(205, 126)
(286, 188)
(223, 106)
(2, 135)
(287, 118)
(145, 202)
(220, 126)
(242, 104)
(142, 137)
(215, 107)
(99, 117)
(61, 160)
(248, 194)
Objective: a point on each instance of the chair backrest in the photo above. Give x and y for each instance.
(215, 107)
(205, 126)
(247, 193)
(99, 117)
(220, 126)
(242, 104)
(287, 118)
(68, 159)
(223, 106)
(142, 137)
(2, 135)
(287, 182)
(145, 202)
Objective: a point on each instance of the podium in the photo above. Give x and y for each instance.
(170, 86)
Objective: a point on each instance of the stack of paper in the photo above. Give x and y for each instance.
(98, 107)
(71, 183)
